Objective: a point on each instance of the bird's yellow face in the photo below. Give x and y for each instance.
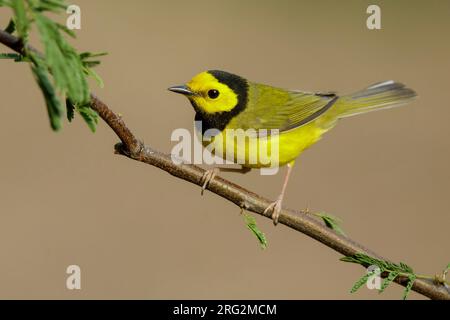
(210, 95)
(214, 92)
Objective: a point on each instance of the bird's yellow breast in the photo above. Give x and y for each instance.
(269, 151)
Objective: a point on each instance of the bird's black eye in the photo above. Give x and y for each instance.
(213, 94)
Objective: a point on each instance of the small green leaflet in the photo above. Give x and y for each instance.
(54, 107)
(70, 109)
(358, 284)
(52, 5)
(66, 30)
(89, 116)
(331, 222)
(14, 56)
(11, 28)
(85, 111)
(388, 280)
(22, 20)
(251, 225)
(87, 55)
(90, 72)
(411, 279)
(406, 268)
(89, 64)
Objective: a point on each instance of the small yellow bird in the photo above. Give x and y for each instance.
(226, 101)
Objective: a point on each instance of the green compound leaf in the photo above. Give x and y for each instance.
(393, 270)
(251, 225)
(411, 278)
(388, 280)
(61, 72)
(366, 260)
(63, 61)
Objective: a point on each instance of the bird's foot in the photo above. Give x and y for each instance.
(208, 176)
(275, 207)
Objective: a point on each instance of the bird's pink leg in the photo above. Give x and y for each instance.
(276, 206)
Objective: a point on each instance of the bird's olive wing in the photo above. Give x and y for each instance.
(271, 108)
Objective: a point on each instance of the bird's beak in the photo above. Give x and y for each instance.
(182, 90)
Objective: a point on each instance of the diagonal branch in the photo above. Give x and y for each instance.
(133, 148)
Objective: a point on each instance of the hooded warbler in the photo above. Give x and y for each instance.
(224, 101)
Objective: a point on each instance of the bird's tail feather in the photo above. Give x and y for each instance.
(379, 96)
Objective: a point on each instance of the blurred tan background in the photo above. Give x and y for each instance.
(137, 232)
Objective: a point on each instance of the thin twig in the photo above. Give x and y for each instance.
(133, 148)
